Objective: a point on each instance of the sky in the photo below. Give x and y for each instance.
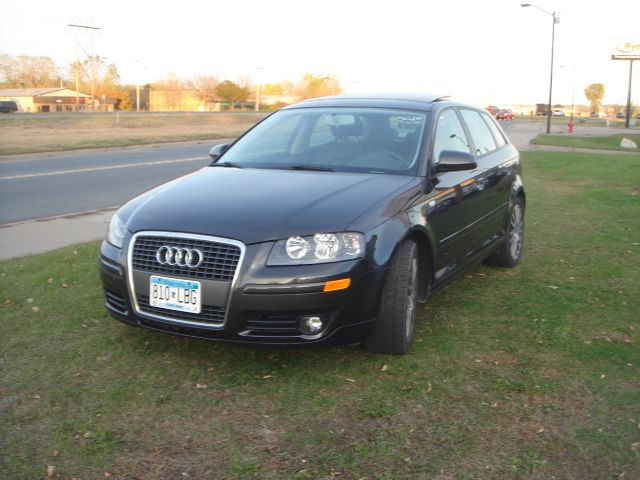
(479, 51)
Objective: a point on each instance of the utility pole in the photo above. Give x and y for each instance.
(77, 28)
(555, 20)
(628, 115)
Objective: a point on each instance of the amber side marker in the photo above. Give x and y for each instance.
(335, 285)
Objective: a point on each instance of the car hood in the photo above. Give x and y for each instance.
(255, 205)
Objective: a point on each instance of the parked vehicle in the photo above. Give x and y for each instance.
(541, 109)
(329, 221)
(8, 106)
(620, 115)
(558, 112)
(504, 114)
(594, 115)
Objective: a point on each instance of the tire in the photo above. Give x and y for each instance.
(509, 254)
(394, 328)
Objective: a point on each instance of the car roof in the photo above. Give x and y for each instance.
(420, 101)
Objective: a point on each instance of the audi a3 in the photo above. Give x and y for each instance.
(329, 221)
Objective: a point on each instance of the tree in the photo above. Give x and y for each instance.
(595, 94)
(28, 72)
(204, 87)
(231, 92)
(313, 86)
(280, 88)
(95, 75)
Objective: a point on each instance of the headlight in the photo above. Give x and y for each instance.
(318, 248)
(117, 231)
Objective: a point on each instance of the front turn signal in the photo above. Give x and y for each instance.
(335, 285)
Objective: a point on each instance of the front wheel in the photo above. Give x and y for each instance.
(394, 329)
(508, 255)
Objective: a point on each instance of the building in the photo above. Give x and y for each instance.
(55, 100)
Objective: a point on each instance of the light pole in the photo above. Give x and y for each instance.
(556, 19)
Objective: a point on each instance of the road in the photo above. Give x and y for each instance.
(48, 185)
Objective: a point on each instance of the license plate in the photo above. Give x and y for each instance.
(175, 294)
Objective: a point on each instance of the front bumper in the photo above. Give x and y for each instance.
(262, 304)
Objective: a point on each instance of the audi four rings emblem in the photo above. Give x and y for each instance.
(181, 257)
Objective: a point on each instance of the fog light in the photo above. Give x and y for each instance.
(311, 324)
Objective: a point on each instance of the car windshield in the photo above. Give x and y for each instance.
(367, 140)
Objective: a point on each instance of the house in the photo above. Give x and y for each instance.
(55, 100)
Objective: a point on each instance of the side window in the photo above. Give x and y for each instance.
(497, 134)
(480, 133)
(449, 135)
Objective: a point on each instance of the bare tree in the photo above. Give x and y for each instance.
(204, 87)
(28, 72)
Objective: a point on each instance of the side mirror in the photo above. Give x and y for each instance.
(453, 161)
(216, 152)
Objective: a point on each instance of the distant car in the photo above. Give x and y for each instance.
(8, 106)
(558, 112)
(620, 115)
(504, 114)
(594, 115)
(324, 223)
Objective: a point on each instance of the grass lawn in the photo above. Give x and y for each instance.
(33, 134)
(532, 372)
(611, 142)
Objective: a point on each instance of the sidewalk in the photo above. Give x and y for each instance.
(39, 236)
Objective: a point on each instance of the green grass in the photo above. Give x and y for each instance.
(530, 372)
(611, 142)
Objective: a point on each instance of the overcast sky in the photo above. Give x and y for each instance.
(480, 51)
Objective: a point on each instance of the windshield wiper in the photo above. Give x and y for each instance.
(226, 164)
(311, 168)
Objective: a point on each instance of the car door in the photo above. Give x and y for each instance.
(458, 202)
(495, 160)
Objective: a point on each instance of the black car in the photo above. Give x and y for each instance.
(8, 106)
(327, 222)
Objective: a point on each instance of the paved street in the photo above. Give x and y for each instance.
(47, 185)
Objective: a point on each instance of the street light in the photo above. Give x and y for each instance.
(556, 19)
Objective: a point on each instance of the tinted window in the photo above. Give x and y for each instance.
(480, 133)
(449, 135)
(497, 134)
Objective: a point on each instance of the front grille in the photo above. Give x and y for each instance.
(208, 314)
(220, 259)
(115, 302)
(272, 326)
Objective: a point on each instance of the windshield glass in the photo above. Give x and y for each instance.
(368, 140)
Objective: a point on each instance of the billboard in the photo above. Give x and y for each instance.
(626, 50)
